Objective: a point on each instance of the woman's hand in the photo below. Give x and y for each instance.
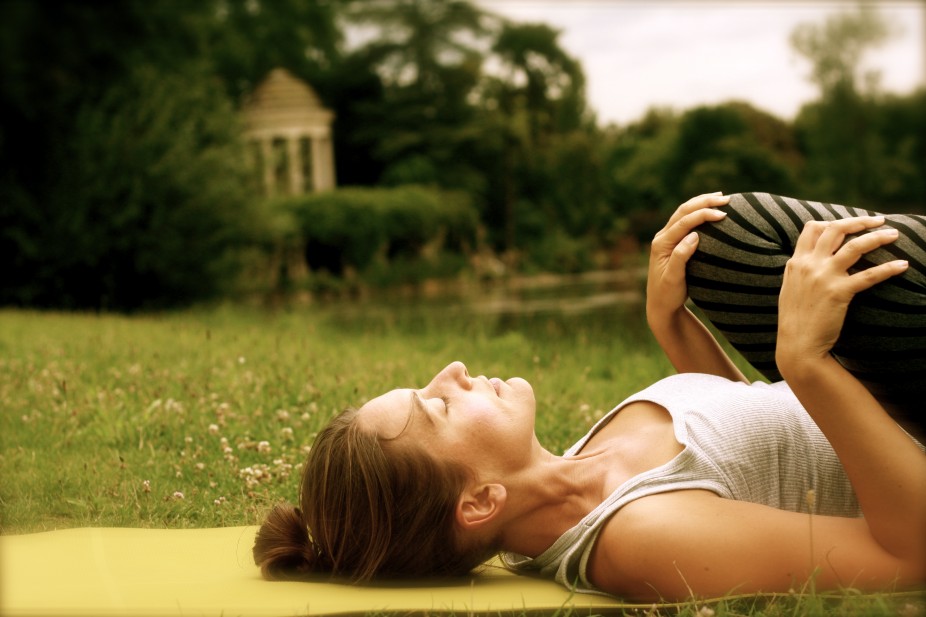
(885, 466)
(817, 286)
(687, 343)
(673, 246)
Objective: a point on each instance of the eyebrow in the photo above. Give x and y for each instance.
(418, 404)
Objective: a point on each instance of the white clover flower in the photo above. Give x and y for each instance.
(910, 610)
(263, 447)
(200, 466)
(241, 360)
(146, 486)
(178, 495)
(705, 611)
(287, 433)
(213, 429)
(282, 415)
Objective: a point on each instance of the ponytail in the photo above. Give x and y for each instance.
(282, 548)
(375, 508)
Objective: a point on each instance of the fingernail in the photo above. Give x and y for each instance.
(719, 213)
(691, 238)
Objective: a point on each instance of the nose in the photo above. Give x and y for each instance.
(453, 373)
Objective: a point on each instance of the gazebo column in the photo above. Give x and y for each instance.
(296, 181)
(322, 163)
(266, 152)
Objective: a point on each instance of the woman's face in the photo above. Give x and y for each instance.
(486, 424)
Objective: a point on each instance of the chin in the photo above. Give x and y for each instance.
(521, 384)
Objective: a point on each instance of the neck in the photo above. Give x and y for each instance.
(552, 497)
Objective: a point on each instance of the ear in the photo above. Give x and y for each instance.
(480, 505)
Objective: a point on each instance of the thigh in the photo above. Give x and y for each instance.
(735, 276)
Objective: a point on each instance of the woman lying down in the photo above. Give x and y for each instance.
(703, 483)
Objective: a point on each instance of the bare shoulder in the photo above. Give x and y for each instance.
(625, 559)
(683, 543)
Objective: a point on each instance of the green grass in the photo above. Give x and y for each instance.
(202, 418)
(106, 419)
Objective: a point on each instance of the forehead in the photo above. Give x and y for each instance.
(389, 414)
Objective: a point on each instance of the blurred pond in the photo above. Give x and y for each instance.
(543, 304)
(567, 294)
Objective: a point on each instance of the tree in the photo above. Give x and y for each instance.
(122, 186)
(898, 181)
(836, 133)
(249, 38)
(425, 52)
(418, 39)
(732, 147)
(535, 103)
(541, 78)
(836, 48)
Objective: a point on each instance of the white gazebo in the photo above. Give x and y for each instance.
(290, 132)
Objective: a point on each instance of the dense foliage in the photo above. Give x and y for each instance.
(349, 228)
(123, 186)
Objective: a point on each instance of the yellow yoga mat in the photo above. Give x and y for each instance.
(154, 572)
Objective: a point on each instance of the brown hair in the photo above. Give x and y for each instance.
(370, 508)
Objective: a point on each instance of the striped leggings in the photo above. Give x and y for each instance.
(735, 275)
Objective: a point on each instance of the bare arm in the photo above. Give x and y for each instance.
(689, 345)
(693, 542)
(681, 544)
(886, 468)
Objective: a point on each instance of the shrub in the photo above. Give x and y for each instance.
(559, 252)
(349, 228)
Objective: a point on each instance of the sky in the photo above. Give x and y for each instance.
(682, 53)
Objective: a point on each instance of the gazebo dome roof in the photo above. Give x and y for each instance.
(281, 101)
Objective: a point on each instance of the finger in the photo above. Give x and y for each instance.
(675, 267)
(675, 232)
(686, 248)
(835, 233)
(708, 200)
(807, 240)
(852, 251)
(869, 277)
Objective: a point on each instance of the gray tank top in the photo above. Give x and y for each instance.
(749, 442)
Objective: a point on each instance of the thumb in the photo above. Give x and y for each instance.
(687, 246)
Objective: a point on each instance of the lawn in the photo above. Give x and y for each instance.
(202, 418)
